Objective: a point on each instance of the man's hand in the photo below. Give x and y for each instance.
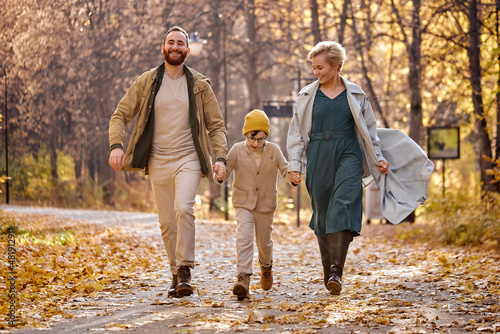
(220, 170)
(384, 167)
(116, 159)
(294, 177)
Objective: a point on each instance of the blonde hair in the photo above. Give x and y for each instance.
(335, 53)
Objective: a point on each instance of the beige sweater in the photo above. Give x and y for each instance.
(255, 187)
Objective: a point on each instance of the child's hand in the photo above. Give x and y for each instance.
(294, 177)
(221, 174)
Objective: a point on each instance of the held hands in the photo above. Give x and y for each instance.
(294, 177)
(220, 170)
(384, 167)
(116, 159)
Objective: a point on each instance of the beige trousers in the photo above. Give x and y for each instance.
(175, 182)
(250, 223)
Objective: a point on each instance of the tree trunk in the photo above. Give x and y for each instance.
(78, 160)
(252, 75)
(106, 175)
(215, 75)
(416, 125)
(91, 163)
(315, 21)
(343, 21)
(482, 142)
(53, 160)
(368, 37)
(371, 92)
(497, 143)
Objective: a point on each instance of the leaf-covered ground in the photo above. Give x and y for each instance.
(75, 276)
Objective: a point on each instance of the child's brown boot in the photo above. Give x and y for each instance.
(266, 277)
(242, 288)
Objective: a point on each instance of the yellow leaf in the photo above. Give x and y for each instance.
(443, 259)
(474, 267)
(321, 321)
(469, 287)
(468, 300)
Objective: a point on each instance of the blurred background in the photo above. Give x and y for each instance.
(65, 64)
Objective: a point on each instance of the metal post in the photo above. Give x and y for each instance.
(444, 179)
(6, 142)
(298, 187)
(226, 202)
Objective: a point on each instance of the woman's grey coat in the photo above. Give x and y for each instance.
(404, 188)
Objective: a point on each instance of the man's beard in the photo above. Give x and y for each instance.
(177, 61)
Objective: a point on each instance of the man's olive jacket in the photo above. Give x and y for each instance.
(207, 124)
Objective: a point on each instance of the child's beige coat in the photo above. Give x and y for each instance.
(255, 188)
(255, 201)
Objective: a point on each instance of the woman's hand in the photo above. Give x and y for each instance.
(384, 167)
(294, 177)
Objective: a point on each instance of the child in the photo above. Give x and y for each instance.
(256, 164)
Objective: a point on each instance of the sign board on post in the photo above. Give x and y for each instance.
(443, 143)
(278, 109)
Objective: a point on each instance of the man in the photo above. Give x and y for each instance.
(178, 121)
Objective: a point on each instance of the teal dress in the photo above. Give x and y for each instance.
(334, 168)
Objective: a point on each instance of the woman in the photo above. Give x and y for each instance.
(334, 124)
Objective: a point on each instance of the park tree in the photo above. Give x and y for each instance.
(46, 112)
(68, 63)
(212, 22)
(315, 21)
(483, 142)
(467, 26)
(363, 41)
(497, 58)
(413, 48)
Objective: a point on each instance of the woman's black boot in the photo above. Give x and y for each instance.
(324, 249)
(339, 245)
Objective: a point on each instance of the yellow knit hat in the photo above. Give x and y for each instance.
(256, 120)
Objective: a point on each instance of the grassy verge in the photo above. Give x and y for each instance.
(459, 221)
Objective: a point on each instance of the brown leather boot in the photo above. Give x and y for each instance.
(242, 288)
(184, 282)
(172, 292)
(339, 245)
(266, 277)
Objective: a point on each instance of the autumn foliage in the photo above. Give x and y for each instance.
(58, 260)
(394, 281)
(64, 65)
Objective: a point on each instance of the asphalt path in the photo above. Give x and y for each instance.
(388, 288)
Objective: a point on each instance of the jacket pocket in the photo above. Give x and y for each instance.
(239, 196)
(269, 202)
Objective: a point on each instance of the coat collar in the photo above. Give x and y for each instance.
(247, 149)
(313, 87)
(200, 82)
